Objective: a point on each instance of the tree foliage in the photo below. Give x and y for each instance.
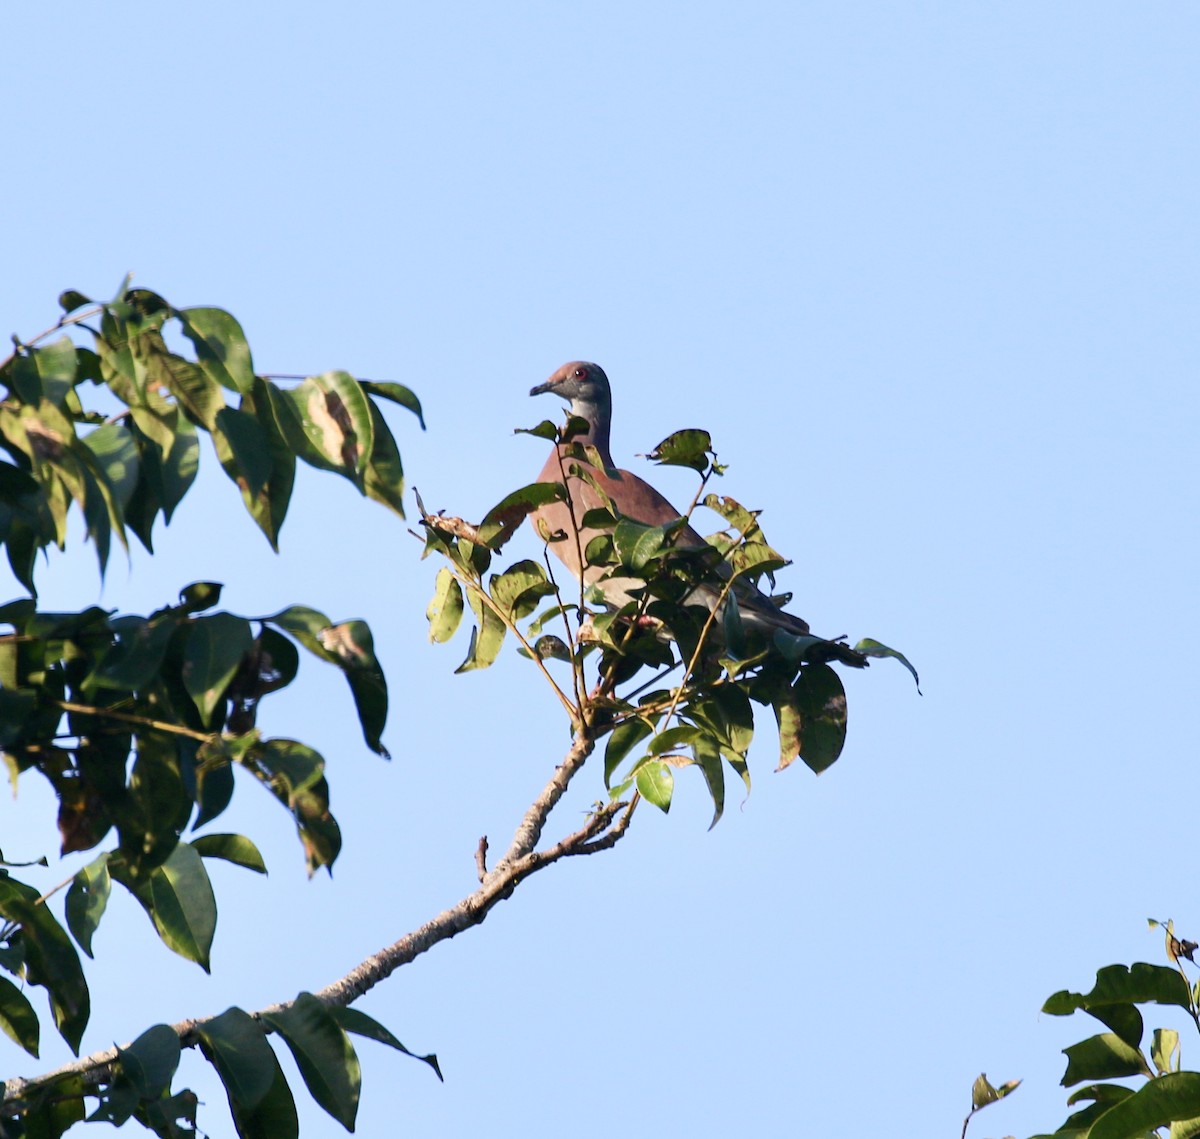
(139, 723)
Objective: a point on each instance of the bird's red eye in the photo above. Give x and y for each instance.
(579, 373)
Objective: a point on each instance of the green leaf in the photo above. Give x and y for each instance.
(636, 543)
(179, 900)
(268, 507)
(1164, 1051)
(1121, 984)
(235, 848)
(213, 652)
(688, 448)
(221, 347)
(501, 522)
(294, 773)
(673, 738)
(821, 702)
(52, 369)
(544, 430)
(486, 638)
(150, 1061)
(87, 900)
(1103, 1057)
(397, 393)
(117, 455)
(519, 588)
(335, 417)
(17, 1019)
(351, 646)
(200, 595)
(50, 959)
(624, 738)
(708, 759)
(1171, 1098)
(352, 1020)
(324, 1055)
(262, 1106)
(383, 479)
(70, 299)
(244, 451)
(656, 784)
(873, 648)
(137, 656)
(446, 608)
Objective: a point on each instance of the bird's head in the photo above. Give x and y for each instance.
(579, 383)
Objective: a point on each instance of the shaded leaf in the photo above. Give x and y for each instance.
(324, 1055)
(149, 1063)
(18, 1021)
(357, 1022)
(221, 347)
(486, 638)
(87, 900)
(50, 959)
(214, 649)
(178, 897)
(821, 703)
(1102, 1057)
(1122, 984)
(623, 739)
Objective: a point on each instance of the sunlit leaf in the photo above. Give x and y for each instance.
(18, 1020)
(235, 848)
(690, 447)
(221, 347)
(872, 648)
(656, 783)
(397, 393)
(446, 608)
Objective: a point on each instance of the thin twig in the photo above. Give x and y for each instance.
(131, 718)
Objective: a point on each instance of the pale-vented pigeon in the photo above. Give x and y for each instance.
(586, 388)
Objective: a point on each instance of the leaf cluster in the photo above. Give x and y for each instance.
(139, 723)
(655, 604)
(1168, 1096)
(114, 427)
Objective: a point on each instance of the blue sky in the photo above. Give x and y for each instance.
(927, 272)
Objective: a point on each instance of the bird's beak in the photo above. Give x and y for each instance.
(548, 386)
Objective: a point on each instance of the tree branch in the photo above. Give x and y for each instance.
(519, 862)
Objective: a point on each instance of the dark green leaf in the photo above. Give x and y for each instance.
(872, 648)
(351, 646)
(501, 522)
(179, 900)
(236, 1045)
(397, 393)
(352, 1020)
(821, 702)
(150, 1061)
(688, 448)
(70, 300)
(1121, 984)
(544, 430)
(708, 759)
(624, 738)
(636, 543)
(87, 900)
(221, 347)
(324, 1055)
(235, 848)
(117, 454)
(50, 959)
(383, 479)
(18, 1021)
(214, 650)
(200, 595)
(244, 451)
(1102, 1057)
(1170, 1098)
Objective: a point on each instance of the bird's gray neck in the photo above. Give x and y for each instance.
(598, 413)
